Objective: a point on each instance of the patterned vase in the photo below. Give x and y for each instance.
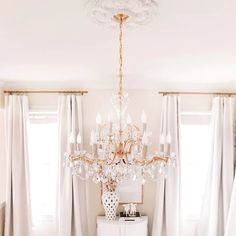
(110, 202)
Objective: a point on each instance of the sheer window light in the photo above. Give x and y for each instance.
(195, 141)
(43, 147)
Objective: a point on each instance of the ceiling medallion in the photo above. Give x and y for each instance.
(139, 11)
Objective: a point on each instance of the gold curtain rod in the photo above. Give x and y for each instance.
(198, 93)
(45, 91)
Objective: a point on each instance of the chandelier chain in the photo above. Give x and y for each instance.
(121, 59)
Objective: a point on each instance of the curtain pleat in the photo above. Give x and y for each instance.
(18, 214)
(166, 220)
(230, 225)
(72, 211)
(220, 175)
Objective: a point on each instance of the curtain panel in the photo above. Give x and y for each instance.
(18, 214)
(220, 181)
(166, 220)
(71, 207)
(230, 225)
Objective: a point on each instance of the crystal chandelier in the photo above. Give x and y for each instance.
(119, 148)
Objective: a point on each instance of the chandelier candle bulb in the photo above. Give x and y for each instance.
(79, 141)
(98, 119)
(168, 138)
(128, 120)
(72, 142)
(162, 142)
(144, 117)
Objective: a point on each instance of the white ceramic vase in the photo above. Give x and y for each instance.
(110, 202)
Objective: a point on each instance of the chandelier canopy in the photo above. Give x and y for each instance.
(119, 147)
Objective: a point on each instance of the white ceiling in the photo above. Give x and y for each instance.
(189, 43)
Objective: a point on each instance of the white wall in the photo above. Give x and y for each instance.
(98, 101)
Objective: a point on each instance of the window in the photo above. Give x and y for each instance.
(195, 141)
(43, 146)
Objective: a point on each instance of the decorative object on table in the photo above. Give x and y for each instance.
(133, 209)
(126, 209)
(110, 199)
(110, 203)
(119, 147)
(129, 210)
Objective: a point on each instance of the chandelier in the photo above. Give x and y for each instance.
(119, 148)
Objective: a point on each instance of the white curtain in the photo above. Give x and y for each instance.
(18, 217)
(231, 225)
(220, 179)
(166, 213)
(72, 190)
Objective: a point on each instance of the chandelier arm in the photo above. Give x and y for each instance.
(112, 161)
(126, 143)
(114, 157)
(135, 127)
(154, 159)
(88, 160)
(130, 146)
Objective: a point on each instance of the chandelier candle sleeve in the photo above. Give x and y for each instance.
(79, 139)
(145, 145)
(109, 118)
(79, 142)
(98, 119)
(144, 121)
(72, 142)
(93, 143)
(128, 120)
(99, 122)
(144, 151)
(168, 141)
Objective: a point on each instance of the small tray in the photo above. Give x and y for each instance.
(122, 214)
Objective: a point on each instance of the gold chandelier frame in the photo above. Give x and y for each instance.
(123, 150)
